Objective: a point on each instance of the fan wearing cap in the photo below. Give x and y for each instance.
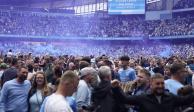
(83, 94)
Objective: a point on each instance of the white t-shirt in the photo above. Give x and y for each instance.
(9, 54)
(173, 86)
(57, 103)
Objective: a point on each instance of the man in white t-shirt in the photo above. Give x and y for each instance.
(67, 86)
(178, 73)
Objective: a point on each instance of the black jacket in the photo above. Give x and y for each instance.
(104, 100)
(149, 103)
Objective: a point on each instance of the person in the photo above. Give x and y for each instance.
(125, 72)
(57, 102)
(160, 67)
(33, 69)
(14, 93)
(83, 94)
(70, 99)
(114, 74)
(141, 84)
(48, 69)
(36, 68)
(10, 73)
(191, 65)
(57, 70)
(103, 99)
(9, 53)
(156, 100)
(71, 66)
(38, 92)
(3, 67)
(152, 66)
(183, 92)
(178, 74)
(83, 64)
(167, 74)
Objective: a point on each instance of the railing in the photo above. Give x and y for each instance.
(93, 38)
(70, 37)
(172, 37)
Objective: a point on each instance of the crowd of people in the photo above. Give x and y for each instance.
(95, 83)
(96, 76)
(13, 23)
(182, 4)
(113, 50)
(174, 28)
(161, 5)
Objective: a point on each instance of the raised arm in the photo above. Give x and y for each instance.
(121, 96)
(184, 100)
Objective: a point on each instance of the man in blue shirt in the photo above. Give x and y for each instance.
(15, 92)
(125, 72)
(83, 94)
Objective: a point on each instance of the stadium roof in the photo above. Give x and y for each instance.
(48, 3)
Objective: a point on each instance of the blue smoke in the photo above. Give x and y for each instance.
(166, 52)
